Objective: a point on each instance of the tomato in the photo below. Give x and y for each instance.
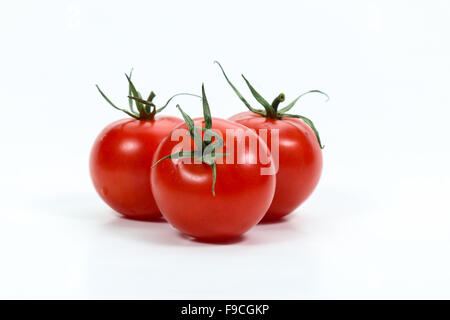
(122, 154)
(298, 157)
(213, 201)
(120, 164)
(299, 160)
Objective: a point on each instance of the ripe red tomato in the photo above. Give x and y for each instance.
(242, 195)
(299, 156)
(120, 164)
(299, 160)
(122, 155)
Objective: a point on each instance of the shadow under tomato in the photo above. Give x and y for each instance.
(153, 220)
(213, 242)
(273, 221)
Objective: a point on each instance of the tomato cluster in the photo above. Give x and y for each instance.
(212, 179)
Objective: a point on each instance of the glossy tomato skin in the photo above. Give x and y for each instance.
(299, 161)
(120, 163)
(182, 190)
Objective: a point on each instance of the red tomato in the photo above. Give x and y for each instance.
(299, 161)
(120, 164)
(299, 155)
(122, 155)
(182, 189)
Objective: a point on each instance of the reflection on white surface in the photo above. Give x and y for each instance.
(343, 243)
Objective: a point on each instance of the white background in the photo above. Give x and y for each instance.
(377, 226)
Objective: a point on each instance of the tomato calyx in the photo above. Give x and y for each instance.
(138, 108)
(205, 147)
(271, 110)
(280, 98)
